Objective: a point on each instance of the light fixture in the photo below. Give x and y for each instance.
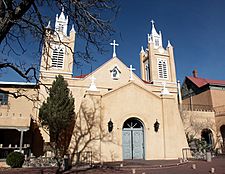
(156, 126)
(110, 125)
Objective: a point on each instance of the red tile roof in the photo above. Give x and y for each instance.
(199, 82)
(81, 76)
(146, 82)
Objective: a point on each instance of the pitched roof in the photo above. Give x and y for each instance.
(200, 82)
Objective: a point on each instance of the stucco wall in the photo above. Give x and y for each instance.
(218, 97)
(19, 111)
(203, 98)
(196, 121)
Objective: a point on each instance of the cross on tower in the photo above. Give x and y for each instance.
(152, 22)
(131, 72)
(114, 47)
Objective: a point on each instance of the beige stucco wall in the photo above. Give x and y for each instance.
(203, 98)
(218, 97)
(196, 121)
(122, 99)
(132, 100)
(19, 111)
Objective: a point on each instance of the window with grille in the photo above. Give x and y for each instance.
(3, 99)
(57, 58)
(162, 69)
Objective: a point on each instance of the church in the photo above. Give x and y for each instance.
(119, 115)
(142, 113)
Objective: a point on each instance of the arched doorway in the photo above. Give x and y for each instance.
(207, 136)
(222, 131)
(133, 139)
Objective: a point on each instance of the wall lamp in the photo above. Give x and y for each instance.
(110, 125)
(156, 126)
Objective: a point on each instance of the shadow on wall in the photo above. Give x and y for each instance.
(37, 141)
(88, 131)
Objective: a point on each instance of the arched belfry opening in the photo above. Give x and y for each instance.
(133, 139)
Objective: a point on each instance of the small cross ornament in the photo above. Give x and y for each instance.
(131, 72)
(114, 44)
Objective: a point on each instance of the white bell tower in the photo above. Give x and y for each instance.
(58, 51)
(154, 37)
(157, 63)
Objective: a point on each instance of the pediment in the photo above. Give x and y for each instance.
(132, 88)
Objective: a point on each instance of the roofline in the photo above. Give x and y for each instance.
(207, 83)
(17, 83)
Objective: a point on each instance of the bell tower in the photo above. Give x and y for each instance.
(58, 49)
(157, 64)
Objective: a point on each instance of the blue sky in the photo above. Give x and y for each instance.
(195, 28)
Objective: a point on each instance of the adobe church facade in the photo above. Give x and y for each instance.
(113, 96)
(118, 115)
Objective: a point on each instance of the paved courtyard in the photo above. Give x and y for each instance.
(138, 167)
(161, 167)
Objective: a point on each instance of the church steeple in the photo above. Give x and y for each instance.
(57, 56)
(157, 63)
(154, 37)
(61, 23)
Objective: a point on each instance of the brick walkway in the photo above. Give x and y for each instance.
(140, 166)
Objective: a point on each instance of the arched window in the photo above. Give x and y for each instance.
(207, 136)
(57, 57)
(147, 72)
(115, 73)
(162, 69)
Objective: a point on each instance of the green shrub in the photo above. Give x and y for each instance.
(15, 160)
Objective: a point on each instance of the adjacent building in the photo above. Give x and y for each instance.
(205, 100)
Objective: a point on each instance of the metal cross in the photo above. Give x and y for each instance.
(152, 22)
(114, 47)
(131, 69)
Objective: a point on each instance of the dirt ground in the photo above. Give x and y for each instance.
(137, 167)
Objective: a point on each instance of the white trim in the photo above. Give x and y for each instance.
(16, 83)
(158, 81)
(56, 72)
(17, 128)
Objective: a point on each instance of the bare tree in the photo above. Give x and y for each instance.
(20, 19)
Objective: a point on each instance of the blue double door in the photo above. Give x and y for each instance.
(133, 141)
